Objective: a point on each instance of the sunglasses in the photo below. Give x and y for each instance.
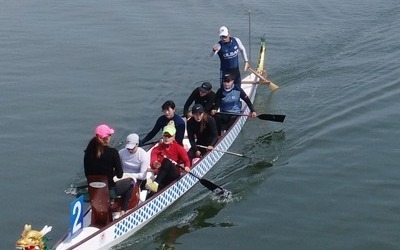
(223, 37)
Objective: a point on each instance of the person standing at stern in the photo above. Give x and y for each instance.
(228, 51)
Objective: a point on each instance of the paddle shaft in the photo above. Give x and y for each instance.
(208, 184)
(226, 152)
(266, 117)
(150, 143)
(270, 84)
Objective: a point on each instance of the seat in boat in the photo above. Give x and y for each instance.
(99, 200)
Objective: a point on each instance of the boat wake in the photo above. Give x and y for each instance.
(72, 190)
(222, 196)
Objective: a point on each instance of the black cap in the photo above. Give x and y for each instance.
(205, 87)
(197, 108)
(228, 78)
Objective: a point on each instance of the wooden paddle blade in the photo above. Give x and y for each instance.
(274, 118)
(208, 184)
(271, 85)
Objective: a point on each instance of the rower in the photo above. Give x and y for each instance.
(165, 170)
(201, 95)
(135, 160)
(227, 50)
(202, 130)
(228, 100)
(169, 117)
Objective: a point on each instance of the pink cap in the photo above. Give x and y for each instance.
(103, 131)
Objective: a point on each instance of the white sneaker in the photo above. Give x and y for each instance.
(116, 215)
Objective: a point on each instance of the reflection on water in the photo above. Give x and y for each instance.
(168, 237)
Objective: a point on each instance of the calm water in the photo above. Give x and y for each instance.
(328, 178)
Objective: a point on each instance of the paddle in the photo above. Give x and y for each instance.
(208, 184)
(225, 152)
(266, 117)
(270, 84)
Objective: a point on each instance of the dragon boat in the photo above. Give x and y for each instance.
(85, 234)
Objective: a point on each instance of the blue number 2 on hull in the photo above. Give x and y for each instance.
(76, 215)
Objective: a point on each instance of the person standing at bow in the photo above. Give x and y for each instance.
(228, 99)
(161, 160)
(135, 160)
(101, 159)
(202, 95)
(228, 51)
(169, 117)
(202, 130)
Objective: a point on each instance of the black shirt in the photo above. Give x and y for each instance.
(207, 101)
(108, 164)
(207, 137)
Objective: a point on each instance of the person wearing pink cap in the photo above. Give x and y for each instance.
(227, 50)
(101, 159)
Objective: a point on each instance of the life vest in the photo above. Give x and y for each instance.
(230, 101)
(228, 54)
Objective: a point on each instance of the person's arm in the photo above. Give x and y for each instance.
(213, 130)
(188, 102)
(210, 102)
(247, 100)
(218, 97)
(180, 129)
(215, 49)
(145, 164)
(155, 163)
(190, 132)
(183, 156)
(86, 165)
(126, 176)
(157, 127)
(243, 52)
(118, 171)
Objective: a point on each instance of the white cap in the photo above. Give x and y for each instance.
(132, 141)
(223, 31)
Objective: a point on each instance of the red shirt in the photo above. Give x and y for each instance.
(173, 151)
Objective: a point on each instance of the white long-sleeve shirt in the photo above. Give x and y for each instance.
(135, 165)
